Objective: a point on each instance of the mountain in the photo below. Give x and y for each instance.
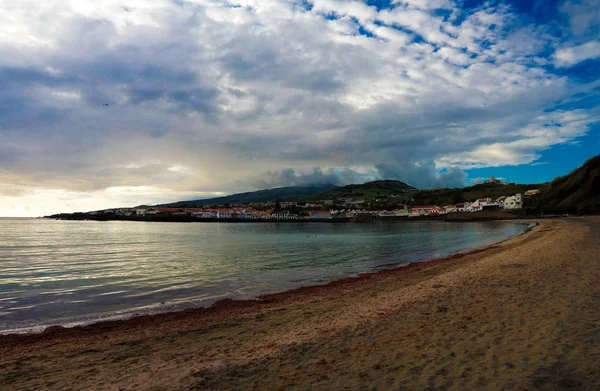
(577, 192)
(366, 190)
(281, 193)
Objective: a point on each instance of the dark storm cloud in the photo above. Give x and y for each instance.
(21, 76)
(316, 176)
(422, 174)
(18, 106)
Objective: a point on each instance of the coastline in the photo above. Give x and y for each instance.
(117, 321)
(414, 309)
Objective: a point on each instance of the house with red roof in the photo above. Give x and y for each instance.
(225, 213)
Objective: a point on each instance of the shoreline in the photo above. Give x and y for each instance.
(450, 217)
(521, 314)
(116, 321)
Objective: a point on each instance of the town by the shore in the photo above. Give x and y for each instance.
(523, 314)
(342, 209)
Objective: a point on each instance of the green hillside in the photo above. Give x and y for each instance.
(367, 190)
(577, 192)
(281, 193)
(466, 194)
(411, 196)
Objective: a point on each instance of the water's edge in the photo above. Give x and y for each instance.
(526, 227)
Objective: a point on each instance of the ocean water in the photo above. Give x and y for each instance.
(70, 272)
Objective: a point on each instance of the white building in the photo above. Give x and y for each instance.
(205, 214)
(245, 215)
(481, 203)
(224, 214)
(513, 202)
(463, 206)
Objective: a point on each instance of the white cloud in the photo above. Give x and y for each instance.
(566, 57)
(205, 94)
(476, 181)
(544, 131)
(426, 4)
(355, 9)
(179, 169)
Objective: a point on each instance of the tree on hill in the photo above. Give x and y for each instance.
(577, 192)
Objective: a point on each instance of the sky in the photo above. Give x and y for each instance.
(126, 102)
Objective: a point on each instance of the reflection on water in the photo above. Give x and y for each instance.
(58, 272)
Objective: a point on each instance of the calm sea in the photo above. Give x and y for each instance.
(69, 272)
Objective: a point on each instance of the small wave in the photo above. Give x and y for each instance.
(110, 293)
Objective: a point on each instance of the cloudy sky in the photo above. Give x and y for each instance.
(109, 103)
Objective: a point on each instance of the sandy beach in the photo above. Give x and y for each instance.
(523, 314)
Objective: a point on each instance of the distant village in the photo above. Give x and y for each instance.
(342, 209)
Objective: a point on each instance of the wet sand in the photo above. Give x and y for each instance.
(524, 314)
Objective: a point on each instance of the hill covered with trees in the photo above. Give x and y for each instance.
(281, 193)
(466, 194)
(577, 192)
(367, 190)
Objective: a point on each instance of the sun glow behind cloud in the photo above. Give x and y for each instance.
(202, 97)
(45, 202)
